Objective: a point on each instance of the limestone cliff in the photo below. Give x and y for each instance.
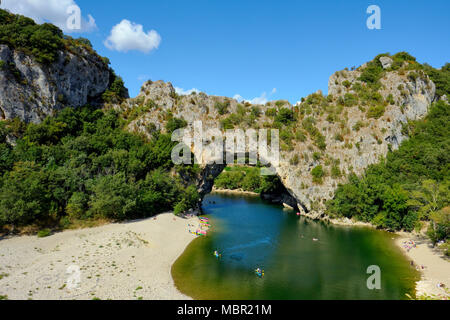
(31, 91)
(343, 132)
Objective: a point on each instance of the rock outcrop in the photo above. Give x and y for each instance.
(354, 140)
(386, 62)
(31, 91)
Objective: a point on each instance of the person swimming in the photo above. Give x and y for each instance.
(259, 272)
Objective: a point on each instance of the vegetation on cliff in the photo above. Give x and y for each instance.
(412, 185)
(441, 78)
(43, 41)
(117, 92)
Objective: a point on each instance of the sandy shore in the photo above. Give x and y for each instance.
(338, 221)
(436, 266)
(237, 192)
(117, 261)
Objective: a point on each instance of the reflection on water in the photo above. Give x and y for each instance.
(250, 233)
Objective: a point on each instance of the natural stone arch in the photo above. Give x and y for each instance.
(211, 171)
(364, 139)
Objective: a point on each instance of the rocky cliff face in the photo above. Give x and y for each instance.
(358, 125)
(31, 91)
(358, 141)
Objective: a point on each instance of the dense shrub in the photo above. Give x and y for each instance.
(336, 172)
(256, 111)
(117, 92)
(400, 58)
(271, 112)
(81, 164)
(42, 41)
(232, 120)
(174, 124)
(441, 79)
(372, 73)
(285, 116)
(350, 100)
(222, 107)
(319, 139)
(318, 173)
(439, 228)
(376, 111)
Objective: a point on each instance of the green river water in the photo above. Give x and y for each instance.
(250, 233)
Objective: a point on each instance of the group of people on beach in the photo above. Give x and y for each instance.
(417, 267)
(202, 228)
(408, 245)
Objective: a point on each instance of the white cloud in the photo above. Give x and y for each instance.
(258, 100)
(57, 12)
(183, 92)
(143, 77)
(128, 35)
(263, 99)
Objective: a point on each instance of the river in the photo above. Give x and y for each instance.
(250, 234)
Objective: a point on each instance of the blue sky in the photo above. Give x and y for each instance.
(250, 47)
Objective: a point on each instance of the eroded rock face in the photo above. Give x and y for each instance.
(31, 91)
(353, 140)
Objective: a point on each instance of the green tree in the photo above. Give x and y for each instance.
(77, 205)
(439, 228)
(113, 197)
(23, 197)
(252, 181)
(431, 197)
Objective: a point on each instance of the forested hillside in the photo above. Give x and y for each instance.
(83, 165)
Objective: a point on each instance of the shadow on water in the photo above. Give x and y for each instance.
(251, 233)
